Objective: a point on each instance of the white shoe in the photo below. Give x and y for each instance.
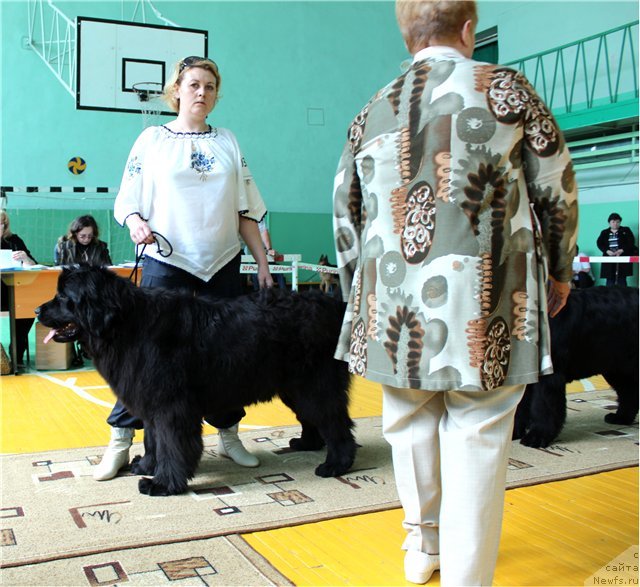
(117, 454)
(230, 446)
(418, 566)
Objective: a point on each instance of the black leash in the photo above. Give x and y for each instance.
(160, 251)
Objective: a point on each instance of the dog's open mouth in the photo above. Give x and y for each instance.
(65, 334)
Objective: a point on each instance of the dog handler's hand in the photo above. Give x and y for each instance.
(557, 296)
(264, 277)
(139, 230)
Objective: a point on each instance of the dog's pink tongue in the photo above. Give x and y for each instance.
(49, 336)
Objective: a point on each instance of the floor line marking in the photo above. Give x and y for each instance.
(79, 391)
(588, 385)
(70, 384)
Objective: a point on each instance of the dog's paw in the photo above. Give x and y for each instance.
(148, 486)
(300, 444)
(331, 470)
(536, 439)
(140, 466)
(615, 418)
(152, 486)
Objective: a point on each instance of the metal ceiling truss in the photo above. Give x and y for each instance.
(142, 5)
(53, 36)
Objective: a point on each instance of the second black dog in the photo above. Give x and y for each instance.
(595, 334)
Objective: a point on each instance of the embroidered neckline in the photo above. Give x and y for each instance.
(211, 133)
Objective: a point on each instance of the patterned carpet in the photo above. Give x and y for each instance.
(61, 527)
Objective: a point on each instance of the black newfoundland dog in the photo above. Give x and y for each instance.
(172, 358)
(595, 334)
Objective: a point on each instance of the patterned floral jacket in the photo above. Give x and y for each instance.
(454, 196)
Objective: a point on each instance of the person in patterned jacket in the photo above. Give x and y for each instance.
(455, 221)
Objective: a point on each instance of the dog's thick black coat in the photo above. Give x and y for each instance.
(172, 358)
(596, 333)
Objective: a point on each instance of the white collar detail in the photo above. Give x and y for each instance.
(437, 51)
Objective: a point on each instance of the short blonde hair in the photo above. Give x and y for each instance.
(168, 93)
(422, 20)
(4, 219)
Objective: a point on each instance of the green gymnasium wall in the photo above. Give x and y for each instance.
(280, 61)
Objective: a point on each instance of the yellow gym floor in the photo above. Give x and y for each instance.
(554, 534)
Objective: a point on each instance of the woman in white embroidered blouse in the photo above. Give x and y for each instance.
(188, 182)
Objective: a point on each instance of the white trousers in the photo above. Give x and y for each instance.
(450, 451)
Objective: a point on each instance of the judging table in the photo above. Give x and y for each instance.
(29, 288)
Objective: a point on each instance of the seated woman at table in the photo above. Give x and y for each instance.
(81, 244)
(20, 253)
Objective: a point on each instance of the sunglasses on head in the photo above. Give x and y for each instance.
(189, 61)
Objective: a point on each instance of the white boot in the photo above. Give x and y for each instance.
(117, 454)
(230, 446)
(418, 566)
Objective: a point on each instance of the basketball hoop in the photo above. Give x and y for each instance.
(150, 104)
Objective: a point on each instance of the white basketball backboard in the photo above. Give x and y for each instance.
(114, 55)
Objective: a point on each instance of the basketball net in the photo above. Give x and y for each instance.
(149, 95)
